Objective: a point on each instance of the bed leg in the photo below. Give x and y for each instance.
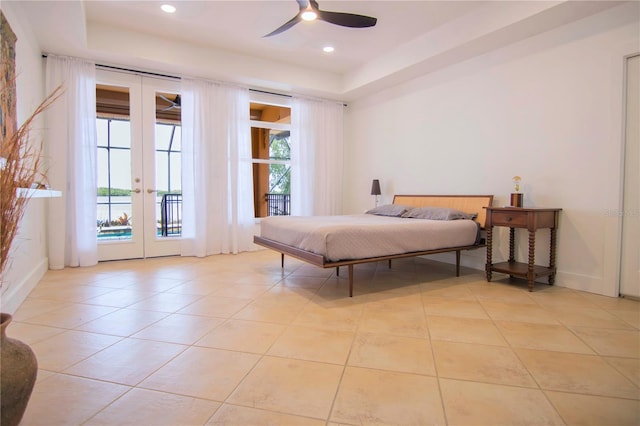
(457, 263)
(337, 271)
(350, 280)
(389, 263)
(282, 260)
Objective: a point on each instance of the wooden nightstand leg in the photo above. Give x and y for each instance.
(532, 255)
(512, 245)
(552, 256)
(489, 250)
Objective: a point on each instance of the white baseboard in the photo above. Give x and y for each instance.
(476, 259)
(17, 292)
(581, 282)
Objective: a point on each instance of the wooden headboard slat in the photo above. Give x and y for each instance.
(467, 203)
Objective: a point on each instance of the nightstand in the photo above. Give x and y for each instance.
(531, 219)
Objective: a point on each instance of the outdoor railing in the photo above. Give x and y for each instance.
(278, 204)
(171, 215)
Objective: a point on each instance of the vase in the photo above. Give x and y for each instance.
(18, 371)
(516, 199)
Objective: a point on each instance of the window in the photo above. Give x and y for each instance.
(271, 152)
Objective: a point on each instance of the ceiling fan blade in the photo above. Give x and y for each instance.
(347, 19)
(176, 103)
(285, 26)
(164, 98)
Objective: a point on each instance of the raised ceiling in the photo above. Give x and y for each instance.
(223, 40)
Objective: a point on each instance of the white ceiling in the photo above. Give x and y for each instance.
(224, 39)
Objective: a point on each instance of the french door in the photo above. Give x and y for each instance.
(139, 166)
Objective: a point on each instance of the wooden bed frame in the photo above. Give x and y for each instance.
(468, 203)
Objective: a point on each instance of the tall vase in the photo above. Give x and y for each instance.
(18, 371)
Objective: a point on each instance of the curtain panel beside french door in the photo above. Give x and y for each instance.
(70, 137)
(217, 182)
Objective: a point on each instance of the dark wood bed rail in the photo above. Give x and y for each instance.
(321, 261)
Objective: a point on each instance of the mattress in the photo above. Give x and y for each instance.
(348, 237)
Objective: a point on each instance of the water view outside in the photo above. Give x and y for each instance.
(114, 222)
(119, 227)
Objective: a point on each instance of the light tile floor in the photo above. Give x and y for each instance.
(236, 340)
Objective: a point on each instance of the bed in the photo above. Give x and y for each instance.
(348, 240)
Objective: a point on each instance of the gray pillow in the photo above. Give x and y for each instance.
(388, 210)
(437, 213)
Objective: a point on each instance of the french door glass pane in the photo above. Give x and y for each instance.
(114, 207)
(114, 217)
(168, 167)
(120, 134)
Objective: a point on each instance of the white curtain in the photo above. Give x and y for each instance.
(71, 140)
(316, 157)
(217, 182)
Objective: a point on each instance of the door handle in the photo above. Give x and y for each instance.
(137, 190)
(151, 191)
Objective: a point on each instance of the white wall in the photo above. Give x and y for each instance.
(28, 261)
(548, 108)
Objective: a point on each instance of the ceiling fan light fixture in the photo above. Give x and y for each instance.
(168, 8)
(309, 14)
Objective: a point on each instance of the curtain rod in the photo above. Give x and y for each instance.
(44, 55)
(174, 77)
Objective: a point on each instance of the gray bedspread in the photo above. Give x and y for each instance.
(361, 236)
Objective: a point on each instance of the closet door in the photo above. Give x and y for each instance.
(630, 259)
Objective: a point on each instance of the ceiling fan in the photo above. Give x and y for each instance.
(309, 11)
(173, 104)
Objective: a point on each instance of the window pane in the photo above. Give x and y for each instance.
(103, 168)
(175, 172)
(163, 136)
(162, 176)
(177, 139)
(270, 113)
(102, 128)
(120, 133)
(279, 179)
(279, 148)
(120, 169)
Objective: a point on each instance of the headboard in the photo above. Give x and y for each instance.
(466, 203)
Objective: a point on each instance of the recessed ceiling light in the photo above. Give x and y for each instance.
(168, 8)
(328, 49)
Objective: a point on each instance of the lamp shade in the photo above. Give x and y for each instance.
(375, 187)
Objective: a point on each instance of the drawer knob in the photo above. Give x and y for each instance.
(509, 218)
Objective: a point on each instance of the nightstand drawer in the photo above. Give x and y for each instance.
(509, 218)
